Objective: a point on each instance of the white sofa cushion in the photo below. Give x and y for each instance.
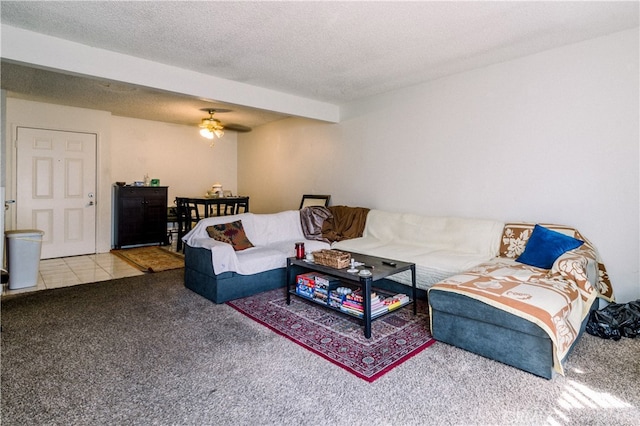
(439, 246)
(458, 234)
(267, 229)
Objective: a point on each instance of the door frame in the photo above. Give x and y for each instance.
(102, 195)
(23, 113)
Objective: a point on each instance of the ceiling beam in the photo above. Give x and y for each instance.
(62, 55)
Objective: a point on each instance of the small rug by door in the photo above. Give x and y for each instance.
(338, 338)
(151, 258)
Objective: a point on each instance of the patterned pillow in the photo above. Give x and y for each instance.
(514, 239)
(230, 233)
(545, 246)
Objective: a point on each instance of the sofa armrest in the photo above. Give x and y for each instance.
(582, 267)
(223, 256)
(575, 267)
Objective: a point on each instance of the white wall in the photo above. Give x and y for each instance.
(177, 155)
(127, 149)
(551, 137)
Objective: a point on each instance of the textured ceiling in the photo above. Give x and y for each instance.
(328, 51)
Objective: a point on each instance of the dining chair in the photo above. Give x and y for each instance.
(188, 215)
(172, 219)
(242, 203)
(193, 214)
(230, 206)
(314, 200)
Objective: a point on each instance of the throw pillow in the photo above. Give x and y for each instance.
(230, 233)
(545, 246)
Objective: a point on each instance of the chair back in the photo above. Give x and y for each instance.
(314, 200)
(242, 203)
(187, 215)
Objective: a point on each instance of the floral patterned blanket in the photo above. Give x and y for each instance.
(557, 300)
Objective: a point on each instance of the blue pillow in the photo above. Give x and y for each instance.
(545, 246)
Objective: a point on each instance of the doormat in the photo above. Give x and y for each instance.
(151, 258)
(339, 338)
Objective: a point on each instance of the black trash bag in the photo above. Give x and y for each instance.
(615, 321)
(603, 323)
(630, 324)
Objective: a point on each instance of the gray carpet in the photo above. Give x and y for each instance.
(145, 350)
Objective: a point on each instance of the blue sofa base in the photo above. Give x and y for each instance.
(488, 331)
(199, 277)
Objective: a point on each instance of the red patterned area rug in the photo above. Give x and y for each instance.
(339, 338)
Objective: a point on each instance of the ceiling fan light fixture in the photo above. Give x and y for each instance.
(210, 127)
(206, 133)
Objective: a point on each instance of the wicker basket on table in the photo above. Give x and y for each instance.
(332, 258)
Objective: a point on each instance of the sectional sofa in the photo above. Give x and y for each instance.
(481, 297)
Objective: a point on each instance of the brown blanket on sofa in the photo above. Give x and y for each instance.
(335, 223)
(344, 223)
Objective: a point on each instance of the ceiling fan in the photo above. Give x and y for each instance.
(210, 126)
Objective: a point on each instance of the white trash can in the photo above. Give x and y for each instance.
(23, 254)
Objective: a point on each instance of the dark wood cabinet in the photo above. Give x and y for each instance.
(140, 215)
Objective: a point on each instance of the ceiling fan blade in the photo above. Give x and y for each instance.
(237, 128)
(215, 110)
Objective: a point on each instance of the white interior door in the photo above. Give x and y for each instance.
(56, 183)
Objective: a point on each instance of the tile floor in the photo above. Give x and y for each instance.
(68, 271)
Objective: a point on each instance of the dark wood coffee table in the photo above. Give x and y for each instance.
(379, 271)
